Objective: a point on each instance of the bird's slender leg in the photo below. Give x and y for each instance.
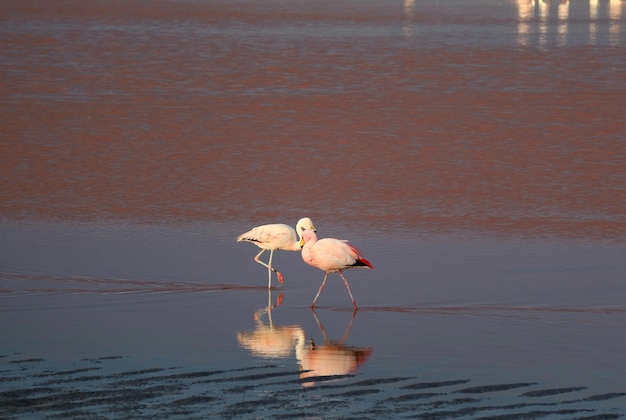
(345, 281)
(269, 270)
(279, 275)
(269, 267)
(320, 290)
(256, 258)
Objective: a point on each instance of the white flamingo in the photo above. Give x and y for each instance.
(331, 255)
(273, 237)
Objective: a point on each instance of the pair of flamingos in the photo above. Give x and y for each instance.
(328, 254)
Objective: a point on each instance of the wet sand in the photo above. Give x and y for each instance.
(105, 389)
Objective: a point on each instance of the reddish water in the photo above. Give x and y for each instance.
(187, 111)
(474, 150)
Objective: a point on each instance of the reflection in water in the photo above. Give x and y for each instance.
(332, 358)
(615, 11)
(407, 28)
(537, 17)
(593, 16)
(524, 12)
(563, 13)
(269, 341)
(544, 13)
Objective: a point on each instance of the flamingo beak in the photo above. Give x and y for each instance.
(301, 242)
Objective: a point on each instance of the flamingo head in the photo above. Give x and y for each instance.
(307, 236)
(304, 224)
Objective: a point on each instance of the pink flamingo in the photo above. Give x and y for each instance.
(331, 255)
(273, 237)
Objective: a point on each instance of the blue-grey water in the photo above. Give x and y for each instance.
(473, 150)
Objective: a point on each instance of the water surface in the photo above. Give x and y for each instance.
(472, 149)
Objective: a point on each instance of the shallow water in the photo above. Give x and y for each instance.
(473, 150)
(187, 299)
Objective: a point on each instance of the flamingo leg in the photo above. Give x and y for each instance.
(279, 275)
(256, 258)
(345, 281)
(320, 290)
(269, 268)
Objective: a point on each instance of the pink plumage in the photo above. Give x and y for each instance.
(331, 255)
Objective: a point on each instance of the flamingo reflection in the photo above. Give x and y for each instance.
(333, 358)
(330, 359)
(268, 340)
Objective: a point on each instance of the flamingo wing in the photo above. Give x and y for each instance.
(333, 255)
(275, 236)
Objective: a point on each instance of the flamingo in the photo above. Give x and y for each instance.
(273, 237)
(331, 255)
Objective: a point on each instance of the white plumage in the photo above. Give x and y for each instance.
(273, 237)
